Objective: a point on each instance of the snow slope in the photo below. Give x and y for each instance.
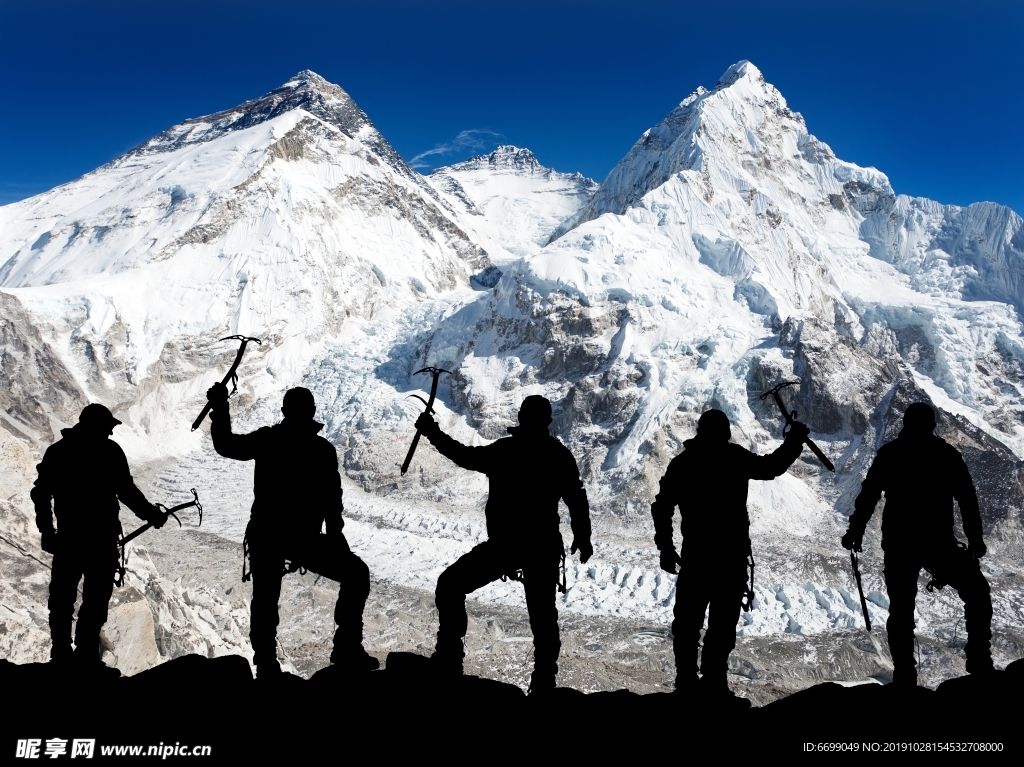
(511, 201)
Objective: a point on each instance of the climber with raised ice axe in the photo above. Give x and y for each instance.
(297, 489)
(529, 472)
(708, 482)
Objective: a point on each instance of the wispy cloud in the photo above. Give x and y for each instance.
(474, 139)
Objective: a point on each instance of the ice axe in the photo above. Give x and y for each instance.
(436, 373)
(232, 375)
(791, 419)
(167, 513)
(860, 589)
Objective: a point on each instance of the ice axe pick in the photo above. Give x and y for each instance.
(231, 376)
(436, 373)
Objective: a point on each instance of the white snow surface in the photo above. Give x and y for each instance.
(669, 285)
(510, 201)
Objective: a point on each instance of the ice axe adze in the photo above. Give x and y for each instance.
(860, 588)
(231, 376)
(168, 513)
(791, 418)
(436, 373)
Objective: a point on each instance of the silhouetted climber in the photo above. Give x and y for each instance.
(84, 474)
(528, 473)
(921, 475)
(708, 481)
(297, 491)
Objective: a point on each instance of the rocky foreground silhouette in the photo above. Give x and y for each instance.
(406, 709)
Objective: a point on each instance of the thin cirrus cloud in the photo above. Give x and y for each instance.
(475, 139)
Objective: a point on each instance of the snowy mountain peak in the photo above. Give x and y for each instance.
(514, 201)
(307, 91)
(740, 70)
(310, 80)
(504, 158)
(733, 119)
(508, 156)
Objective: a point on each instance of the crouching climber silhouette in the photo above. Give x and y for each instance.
(528, 473)
(297, 491)
(84, 474)
(921, 475)
(708, 481)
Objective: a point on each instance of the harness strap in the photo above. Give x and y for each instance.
(937, 583)
(748, 594)
(246, 574)
(119, 577)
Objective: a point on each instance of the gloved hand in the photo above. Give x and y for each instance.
(49, 541)
(977, 549)
(586, 550)
(427, 425)
(217, 395)
(669, 561)
(156, 517)
(853, 540)
(798, 431)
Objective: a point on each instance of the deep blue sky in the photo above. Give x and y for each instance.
(930, 93)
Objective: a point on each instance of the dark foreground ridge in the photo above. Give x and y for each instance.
(408, 709)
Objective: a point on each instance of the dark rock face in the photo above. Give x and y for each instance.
(488, 278)
(841, 383)
(392, 710)
(37, 383)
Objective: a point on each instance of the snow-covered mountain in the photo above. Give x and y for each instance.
(511, 201)
(727, 251)
(281, 218)
(725, 222)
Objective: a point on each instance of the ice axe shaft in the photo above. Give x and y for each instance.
(791, 418)
(231, 376)
(436, 373)
(860, 589)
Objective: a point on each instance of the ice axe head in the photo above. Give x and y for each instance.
(433, 371)
(247, 339)
(776, 389)
(436, 373)
(789, 415)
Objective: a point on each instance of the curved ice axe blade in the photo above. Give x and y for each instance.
(231, 376)
(417, 396)
(436, 373)
(791, 417)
